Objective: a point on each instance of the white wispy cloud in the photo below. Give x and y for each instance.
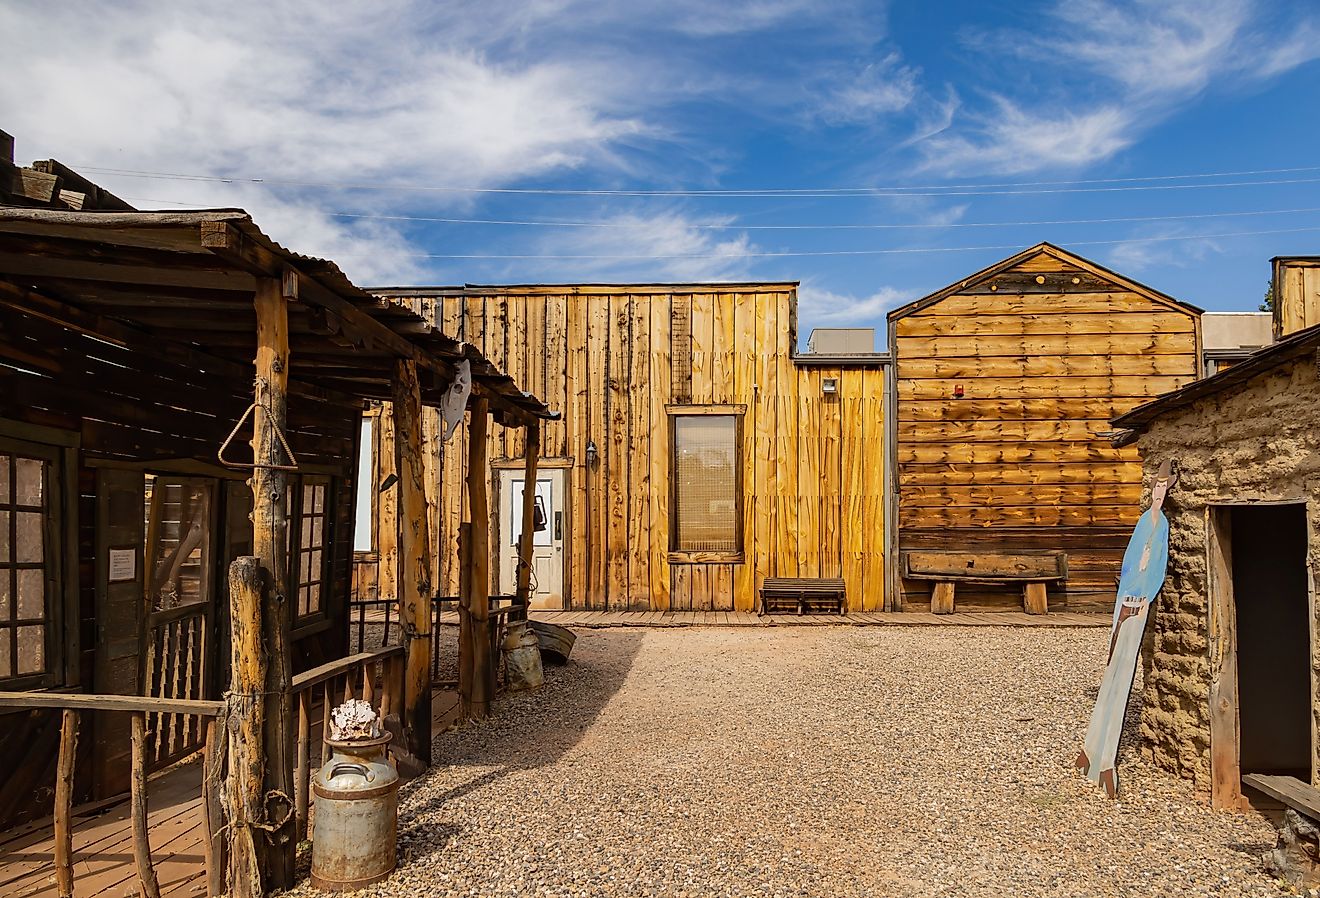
(820, 307)
(865, 94)
(1144, 254)
(1112, 70)
(667, 245)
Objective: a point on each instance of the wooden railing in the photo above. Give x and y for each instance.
(374, 676)
(72, 705)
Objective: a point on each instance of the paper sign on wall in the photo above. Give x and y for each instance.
(123, 565)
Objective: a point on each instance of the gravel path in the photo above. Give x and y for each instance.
(831, 761)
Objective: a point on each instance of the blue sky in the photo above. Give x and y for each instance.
(912, 131)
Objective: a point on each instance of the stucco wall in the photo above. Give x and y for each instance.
(1255, 442)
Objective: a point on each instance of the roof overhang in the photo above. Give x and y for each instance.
(189, 278)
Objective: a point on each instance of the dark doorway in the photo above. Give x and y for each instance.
(1273, 639)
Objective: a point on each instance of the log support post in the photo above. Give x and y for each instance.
(413, 580)
(941, 597)
(1035, 599)
(64, 803)
(245, 715)
(527, 539)
(476, 703)
(150, 888)
(270, 546)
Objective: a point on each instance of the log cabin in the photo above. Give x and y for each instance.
(1005, 382)
(981, 429)
(141, 452)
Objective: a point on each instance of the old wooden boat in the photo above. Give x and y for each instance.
(556, 641)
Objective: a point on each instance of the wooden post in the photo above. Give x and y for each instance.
(246, 713)
(465, 625)
(531, 456)
(413, 582)
(138, 804)
(213, 763)
(1035, 599)
(941, 597)
(64, 803)
(270, 545)
(479, 564)
(302, 774)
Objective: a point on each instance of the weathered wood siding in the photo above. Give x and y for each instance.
(1046, 352)
(610, 359)
(1296, 294)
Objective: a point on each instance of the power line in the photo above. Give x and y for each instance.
(614, 225)
(1021, 188)
(841, 252)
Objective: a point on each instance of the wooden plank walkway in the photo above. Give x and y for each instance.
(103, 864)
(597, 619)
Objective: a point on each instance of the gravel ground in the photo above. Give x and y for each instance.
(832, 761)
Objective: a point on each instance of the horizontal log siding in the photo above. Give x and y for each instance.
(1019, 462)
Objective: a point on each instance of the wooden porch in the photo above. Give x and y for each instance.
(103, 860)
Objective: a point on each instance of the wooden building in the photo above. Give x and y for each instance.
(137, 462)
(982, 429)
(698, 452)
(1005, 384)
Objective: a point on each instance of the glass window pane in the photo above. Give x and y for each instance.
(6, 665)
(29, 547)
(31, 650)
(313, 571)
(306, 540)
(28, 481)
(706, 483)
(31, 594)
(318, 528)
(318, 501)
(4, 599)
(4, 478)
(313, 598)
(5, 555)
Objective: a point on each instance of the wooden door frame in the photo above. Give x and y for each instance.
(1225, 732)
(556, 467)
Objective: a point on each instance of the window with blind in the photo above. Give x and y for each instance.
(29, 580)
(707, 501)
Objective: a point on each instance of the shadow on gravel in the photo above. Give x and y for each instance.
(527, 731)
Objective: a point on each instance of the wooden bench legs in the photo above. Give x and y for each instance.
(941, 597)
(1034, 597)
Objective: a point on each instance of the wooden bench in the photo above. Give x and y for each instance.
(803, 594)
(946, 569)
(1294, 856)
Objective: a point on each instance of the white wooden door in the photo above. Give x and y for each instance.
(547, 544)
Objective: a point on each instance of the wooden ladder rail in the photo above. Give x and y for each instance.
(70, 705)
(375, 676)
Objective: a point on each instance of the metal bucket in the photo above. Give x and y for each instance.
(355, 831)
(522, 658)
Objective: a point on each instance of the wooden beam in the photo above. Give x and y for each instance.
(270, 545)
(85, 702)
(247, 760)
(477, 705)
(413, 581)
(532, 455)
(64, 803)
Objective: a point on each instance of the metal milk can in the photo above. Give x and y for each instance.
(355, 830)
(522, 658)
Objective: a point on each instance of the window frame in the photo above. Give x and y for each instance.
(58, 449)
(298, 483)
(738, 413)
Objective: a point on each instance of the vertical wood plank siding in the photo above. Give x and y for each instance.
(611, 359)
(1018, 461)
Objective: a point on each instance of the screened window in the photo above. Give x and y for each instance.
(178, 520)
(28, 581)
(707, 502)
(312, 533)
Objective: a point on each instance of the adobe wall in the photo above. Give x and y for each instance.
(1256, 442)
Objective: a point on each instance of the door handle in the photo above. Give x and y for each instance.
(559, 525)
